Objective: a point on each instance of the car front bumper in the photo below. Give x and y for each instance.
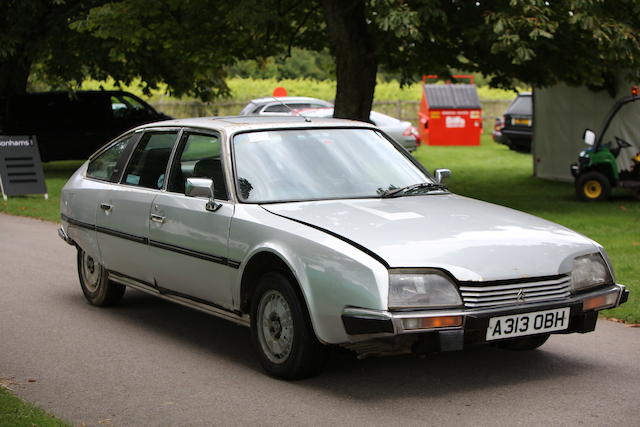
(362, 324)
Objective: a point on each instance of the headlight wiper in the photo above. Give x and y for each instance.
(427, 186)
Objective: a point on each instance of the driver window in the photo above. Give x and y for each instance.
(199, 157)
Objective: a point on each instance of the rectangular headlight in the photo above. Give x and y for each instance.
(421, 289)
(589, 271)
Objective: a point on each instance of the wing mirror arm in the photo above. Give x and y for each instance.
(202, 187)
(442, 174)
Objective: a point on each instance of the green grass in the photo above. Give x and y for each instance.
(490, 172)
(16, 413)
(493, 173)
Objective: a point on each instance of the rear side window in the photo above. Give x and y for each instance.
(103, 167)
(149, 161)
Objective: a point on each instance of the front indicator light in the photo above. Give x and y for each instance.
(431, 322)
(600, 302)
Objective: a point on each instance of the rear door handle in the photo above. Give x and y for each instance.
(105, 206)
(157, 218)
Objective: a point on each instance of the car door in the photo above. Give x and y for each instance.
(122, 218)
(188, 243)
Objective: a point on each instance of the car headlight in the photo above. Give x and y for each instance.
(421, 289)
(589, 271)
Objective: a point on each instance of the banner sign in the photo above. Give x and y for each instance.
(20, 167)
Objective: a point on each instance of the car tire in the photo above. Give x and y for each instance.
(95, 283)
(281, 330)
(523, 343)
(593, 186)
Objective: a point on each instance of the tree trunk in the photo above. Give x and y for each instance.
(14, 73)
(356, 63)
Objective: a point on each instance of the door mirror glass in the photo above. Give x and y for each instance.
(589, 137)
(442, 174)
(202, 187)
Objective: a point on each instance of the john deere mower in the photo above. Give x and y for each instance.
(598, 169)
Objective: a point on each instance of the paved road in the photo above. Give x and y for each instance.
(150, 362)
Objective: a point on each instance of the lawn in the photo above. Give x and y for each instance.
(16, 413)
(490, 172)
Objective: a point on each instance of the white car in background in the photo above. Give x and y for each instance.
(403, 132)
(281, 106)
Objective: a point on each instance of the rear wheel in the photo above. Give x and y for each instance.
(96, 286)
(593, 186)
(281, 330)
(524, 343)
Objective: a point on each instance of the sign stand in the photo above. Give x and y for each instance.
(20, 167)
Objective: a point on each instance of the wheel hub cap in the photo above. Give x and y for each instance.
(91, 272)
(592, 189)
(275, 326)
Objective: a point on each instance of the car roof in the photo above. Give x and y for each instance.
(233, 124)
(268, 99)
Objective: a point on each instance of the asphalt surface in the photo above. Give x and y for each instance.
(150, 362)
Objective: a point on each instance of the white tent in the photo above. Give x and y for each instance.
(562, 113)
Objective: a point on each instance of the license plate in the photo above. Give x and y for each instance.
(522, 122)
(537, 322)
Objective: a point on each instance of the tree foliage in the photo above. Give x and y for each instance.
(191, 45)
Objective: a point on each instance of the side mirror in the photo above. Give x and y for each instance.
(589, 137)
(202, 187)
(442, 174)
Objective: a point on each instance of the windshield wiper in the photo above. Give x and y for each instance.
(427, 186)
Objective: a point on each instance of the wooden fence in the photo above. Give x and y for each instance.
(403, 110)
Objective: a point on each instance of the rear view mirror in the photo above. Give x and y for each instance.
(442, 174)
(202, 187)
(589, 137)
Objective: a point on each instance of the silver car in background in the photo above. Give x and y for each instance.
(281, 106)
(318, 233)
(403, 132)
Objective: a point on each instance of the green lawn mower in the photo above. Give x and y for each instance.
(598, 170)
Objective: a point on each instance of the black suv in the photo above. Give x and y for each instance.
(515, 128)
(72, 125)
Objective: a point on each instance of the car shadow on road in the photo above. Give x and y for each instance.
(481, 367)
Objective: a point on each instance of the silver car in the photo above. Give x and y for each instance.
(281, 106)
(322, 233)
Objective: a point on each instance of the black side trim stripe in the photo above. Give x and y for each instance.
(188, 252)
(122, 235)
(77, 223)
(166, 246)
(141, 282)
(337, 236)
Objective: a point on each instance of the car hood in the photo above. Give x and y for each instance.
(473, 240)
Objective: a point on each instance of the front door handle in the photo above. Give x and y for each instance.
(105, 206)
(157, 218)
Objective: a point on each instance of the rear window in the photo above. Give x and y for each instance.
(103, 167)
(149, 162)
(522, 105)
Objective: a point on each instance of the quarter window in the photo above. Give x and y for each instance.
(103, 167)
(149, 162)
(199, 158)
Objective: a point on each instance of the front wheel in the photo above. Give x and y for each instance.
(95, 284)
(523, 343)
(281, 330)
(593, 186)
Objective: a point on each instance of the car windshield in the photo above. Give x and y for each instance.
(316, 164)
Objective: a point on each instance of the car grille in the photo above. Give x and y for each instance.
(516, 292)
